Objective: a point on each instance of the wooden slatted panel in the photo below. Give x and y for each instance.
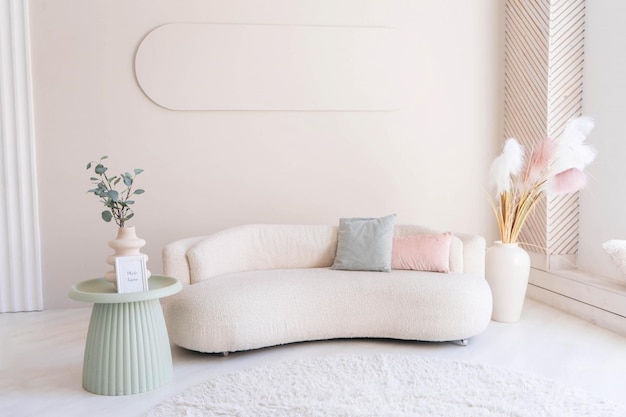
(544, 44)
(526, 89)
(564, 101)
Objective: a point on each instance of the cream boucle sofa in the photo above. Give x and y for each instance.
(263, 285)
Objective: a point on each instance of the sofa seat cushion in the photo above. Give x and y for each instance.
(248, 310)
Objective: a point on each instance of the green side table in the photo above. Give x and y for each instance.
(127, 349)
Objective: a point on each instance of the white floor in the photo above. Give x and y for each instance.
(41, 359)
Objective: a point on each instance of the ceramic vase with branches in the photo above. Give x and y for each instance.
(118, 203)
(554, 166)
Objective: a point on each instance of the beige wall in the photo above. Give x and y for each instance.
(205, 171)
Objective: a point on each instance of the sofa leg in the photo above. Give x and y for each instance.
(224, 354)
(462, 342)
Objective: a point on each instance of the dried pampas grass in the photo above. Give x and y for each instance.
(554, 166)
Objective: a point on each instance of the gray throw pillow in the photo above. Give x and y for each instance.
(365, 244)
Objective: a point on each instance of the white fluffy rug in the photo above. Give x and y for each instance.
(383, 385)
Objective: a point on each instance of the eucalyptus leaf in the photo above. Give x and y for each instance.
(100, 169)
(107, 216)
(139, 191)
(113, 195)
(89, 165)
(138, 171)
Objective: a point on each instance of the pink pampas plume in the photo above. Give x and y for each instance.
(539, 161)
(568, 181)
(506, 166)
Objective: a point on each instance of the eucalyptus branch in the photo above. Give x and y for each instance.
(117, 203)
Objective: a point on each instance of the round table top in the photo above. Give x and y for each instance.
(102, 292)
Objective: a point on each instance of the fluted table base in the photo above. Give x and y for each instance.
(127, 349)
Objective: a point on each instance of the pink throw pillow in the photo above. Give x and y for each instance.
(423, 252)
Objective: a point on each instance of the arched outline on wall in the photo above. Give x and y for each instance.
(269, 67)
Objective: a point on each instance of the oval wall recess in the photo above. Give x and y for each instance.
(202, 66)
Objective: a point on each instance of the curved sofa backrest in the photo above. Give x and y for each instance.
(274, 246)
(263, 246)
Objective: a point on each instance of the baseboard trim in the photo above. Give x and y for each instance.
(582, 295)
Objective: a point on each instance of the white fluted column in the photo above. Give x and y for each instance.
(20, 258)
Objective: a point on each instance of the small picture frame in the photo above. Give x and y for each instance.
(131, 274)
